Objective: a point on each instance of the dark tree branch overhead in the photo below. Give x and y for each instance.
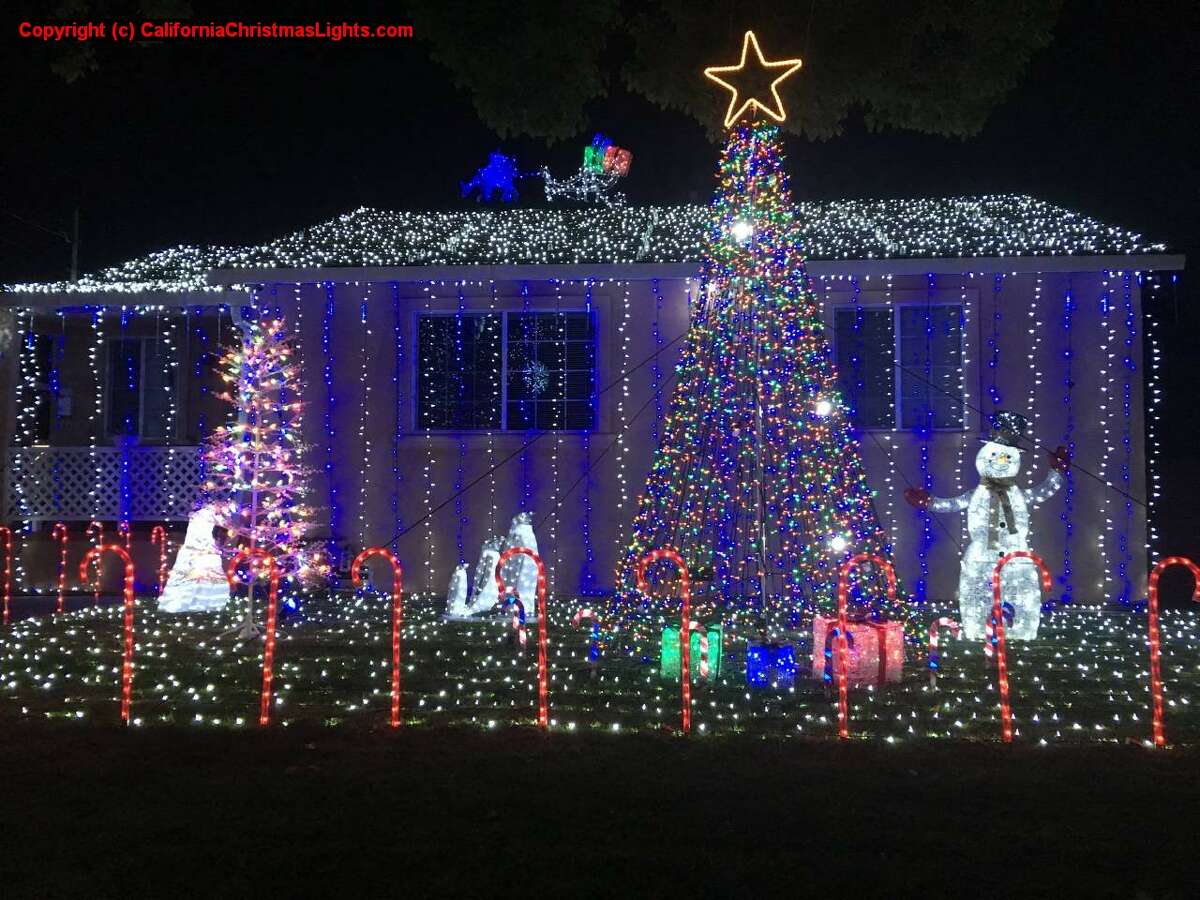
(924, 65)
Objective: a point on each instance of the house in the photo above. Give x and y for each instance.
(460, 367)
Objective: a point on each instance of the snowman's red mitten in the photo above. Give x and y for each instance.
(1060, 459)
(918, 497)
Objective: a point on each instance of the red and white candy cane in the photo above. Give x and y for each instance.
(95, 530)
(997, 621)
(268, 672)
(518, 619)
(59, 533)
(1156, 686)
(397, 615)
(695, 626)
(158, 535)
(6, 534)
(543, 643)
(843, 648)
(935, 659)
(989, 630)
(585, 612)
(125, 531)
(685, 617)
(127, 652)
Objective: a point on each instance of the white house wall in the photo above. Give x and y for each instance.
(384, 476)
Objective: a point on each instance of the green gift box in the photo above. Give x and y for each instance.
(593, 158)
(669, 662)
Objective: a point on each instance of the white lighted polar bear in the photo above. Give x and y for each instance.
(998, 523)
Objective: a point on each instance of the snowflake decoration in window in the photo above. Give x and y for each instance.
(537, 377)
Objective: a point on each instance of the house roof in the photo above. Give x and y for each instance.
(1003, 225)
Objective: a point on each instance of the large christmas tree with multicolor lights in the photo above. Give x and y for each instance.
(758, 482)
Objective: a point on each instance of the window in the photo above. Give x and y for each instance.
(930, 366)
(551, 371)
(901, 367)
(140, 381)
(864, 340)
(458, 374)
(506, 371)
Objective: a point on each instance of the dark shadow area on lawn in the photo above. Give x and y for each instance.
(100, 812)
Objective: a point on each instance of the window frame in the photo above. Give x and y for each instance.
(168, 436)
(504, 315)
(897, 416)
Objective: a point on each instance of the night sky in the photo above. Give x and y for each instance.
(239, 142)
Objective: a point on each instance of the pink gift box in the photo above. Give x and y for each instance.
(875, 654)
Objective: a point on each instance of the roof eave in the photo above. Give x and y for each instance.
(227, 286)
(644, 271)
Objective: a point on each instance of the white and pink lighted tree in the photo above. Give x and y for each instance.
(256, 479)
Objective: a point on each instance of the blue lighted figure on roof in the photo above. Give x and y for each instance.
(498, 176)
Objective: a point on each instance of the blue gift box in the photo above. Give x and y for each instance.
(770, 664)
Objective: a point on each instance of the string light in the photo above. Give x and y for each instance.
(992, 225)
(743, 453)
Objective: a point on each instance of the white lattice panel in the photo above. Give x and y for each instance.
(79, 483)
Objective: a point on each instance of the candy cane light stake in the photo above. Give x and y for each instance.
(586, 612)
(518, 620)
(844, 625)
(59, 533)
(158, 535)
(397, 614)
(1156, 688)
(6, 533)
(685, 618)
(935, 658)
(95, 529)
(543, 676)
(268, 672)
(95, 553)
(998, 630)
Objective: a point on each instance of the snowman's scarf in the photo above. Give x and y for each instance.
(998, 501)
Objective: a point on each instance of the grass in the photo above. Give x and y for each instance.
(466, 799)
(312, 811)
(1085, 679)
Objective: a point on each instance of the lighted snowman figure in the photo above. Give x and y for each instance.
(998, 523)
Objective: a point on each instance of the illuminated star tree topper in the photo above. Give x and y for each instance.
(757, 80)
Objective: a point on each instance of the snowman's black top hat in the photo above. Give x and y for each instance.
(1009, 428)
